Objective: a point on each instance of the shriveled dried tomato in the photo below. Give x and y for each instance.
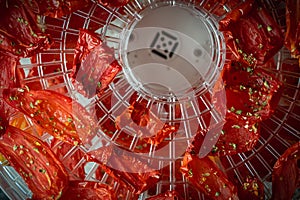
(252, 94)
(237, 136)
(87, 190)
(8, 77)
(126, 168)
(20, 121)
(286, 173)
(169, 195)
(94, 65)
(292, 35)
(6, 112)
(58, 114)
(251, 33)
(125, 138)
(251, 189)
(55, 8)
(207, 177)
(19, 32)
(44, 174)
(145, 123)
(70, 156)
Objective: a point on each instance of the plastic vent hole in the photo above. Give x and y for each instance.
(197, 52)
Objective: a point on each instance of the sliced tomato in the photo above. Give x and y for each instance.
(286, 173)
(145, 123)
(19, 121)
(237, 136)
(71, 157)
(19, 32)
(251, 189)
(292, 35)
(44, 174)
(137, 118)
(169, 195)
(126, 168)
(8, 67)
(252, 94)
(6, 112)
(251, 33)
(58, 114)
(55, 8)
(203, 174)
(88, 190)
(94, 65)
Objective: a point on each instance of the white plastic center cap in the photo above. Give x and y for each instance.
(170, 50)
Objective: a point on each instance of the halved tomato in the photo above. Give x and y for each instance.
(59, 115)
(251, 33)
(207, 177)
(44, 174)
(87, 190)
(286, 173)
(94, 65)
(55, 8)
(19, 32)
(127, 168)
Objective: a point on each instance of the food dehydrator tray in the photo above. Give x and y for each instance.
(152, 24)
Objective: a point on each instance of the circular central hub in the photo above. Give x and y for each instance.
(171, 50)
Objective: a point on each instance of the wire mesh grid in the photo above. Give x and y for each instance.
(53, 68)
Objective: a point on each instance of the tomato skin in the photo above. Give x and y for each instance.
(286, 174)
(55, 8)
(58, 114)
(292, 36)
(251, 93)
(237, 136)
(126, 168)
(36, 163)
(108, 76)
(207, 177)
(8, 77)
(6, 112)
(169, 195)
(251, 33)
(19, 32)
(61, 149)
(146, 124)
(137, 116)
(252, 189)
(251, 97)
(87, 190)
(94, 65)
